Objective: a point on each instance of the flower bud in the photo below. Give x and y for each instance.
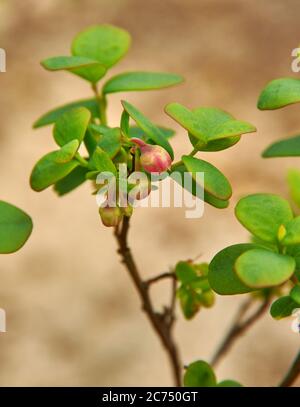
(110, 216)
(153, 158)
(127, 211)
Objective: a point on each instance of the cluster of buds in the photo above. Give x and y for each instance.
(112, 216)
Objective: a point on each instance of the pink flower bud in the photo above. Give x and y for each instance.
(110, 216)
(153, 158)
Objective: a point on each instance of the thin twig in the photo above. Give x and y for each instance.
(293, 373)
(158, 320)
(152, 280)
(239, 327)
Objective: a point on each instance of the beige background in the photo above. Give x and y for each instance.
(73, 316)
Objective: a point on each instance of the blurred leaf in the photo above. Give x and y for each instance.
(215, 145)
(71, 181)
(229, 383)
(84, 67)
(207, 124)
(199, 374)
(215, 183)
(15, 228)
(292, 232)
(148, 127)
(67, 152)
(53, 115)
(137, 132)
(222, 277)
(104, 43)
(71, 125)
(48, 171)
(259, 268)
(134, 81)
(293, 179)
(263, 214)
(124, 123)
(295, 294)
(284, 148)
(102, 162)
(283, 307)
(185, 272)
(279, 93)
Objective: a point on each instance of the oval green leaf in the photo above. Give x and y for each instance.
(259, 268)
(71, 181)
(263, 214)
(104, 43)
(199, 374)
(283, 307)
(71, 125)
(293, 179)
(284, 148)
(279, 93)
(148, 127)
(102, 162)
(295, 294)
(222, 277)
(292, 232)
(15, 228)
(136, 81)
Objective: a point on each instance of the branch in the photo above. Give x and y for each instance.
(239, 327)
(159, 321)
(167, 274)
(292, 374)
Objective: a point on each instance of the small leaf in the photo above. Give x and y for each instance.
(284, 148)
(104, 43)
(48, 171)
(222, 277)
(109, 140)
(283, 307)
(259, 268)
(148, 127)
(84, 67)
(199, 374)
(124, 123)
(208, 124)
(53, 115)
(185, 272)
(67, 152)
(71, 181)
(101, 162)
(15, 228)
(263, 214)
(215, 183)
(295, 294)
(135, 81)
(229, 383)
(215, 145)
(293, 179)
(279, 93)
(137, 132)
(292, 232)
(71, 125)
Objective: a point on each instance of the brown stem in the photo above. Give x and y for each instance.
(159, 321)
(239, 327)
(292, 374)
(152, 280)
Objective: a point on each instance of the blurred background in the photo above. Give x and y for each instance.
(73, 317)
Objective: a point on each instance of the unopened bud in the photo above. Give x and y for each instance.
(153, 158)
(127, 211)
(110, 216)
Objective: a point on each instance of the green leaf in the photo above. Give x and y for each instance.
(71, 125)
(84, 67)
(293, 179)
(102, 162)
(259, 268)
(199, 374)
(67, 152)
(185, 272)
(292, 232)
(283, 307)
(104, 43)
(71, 181)
(110, 139)
(214, 145)
(124, 123)
(137, 132)
(208, 124)
(131, 81)
(263, 214)
(229, 383)
(15, 228)
(188, 302)
(284, 148)
(148, 127)
(53, 115)
(295, 294)
(215, 183)
(279, 93)
(48, 171)
(222, 277)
